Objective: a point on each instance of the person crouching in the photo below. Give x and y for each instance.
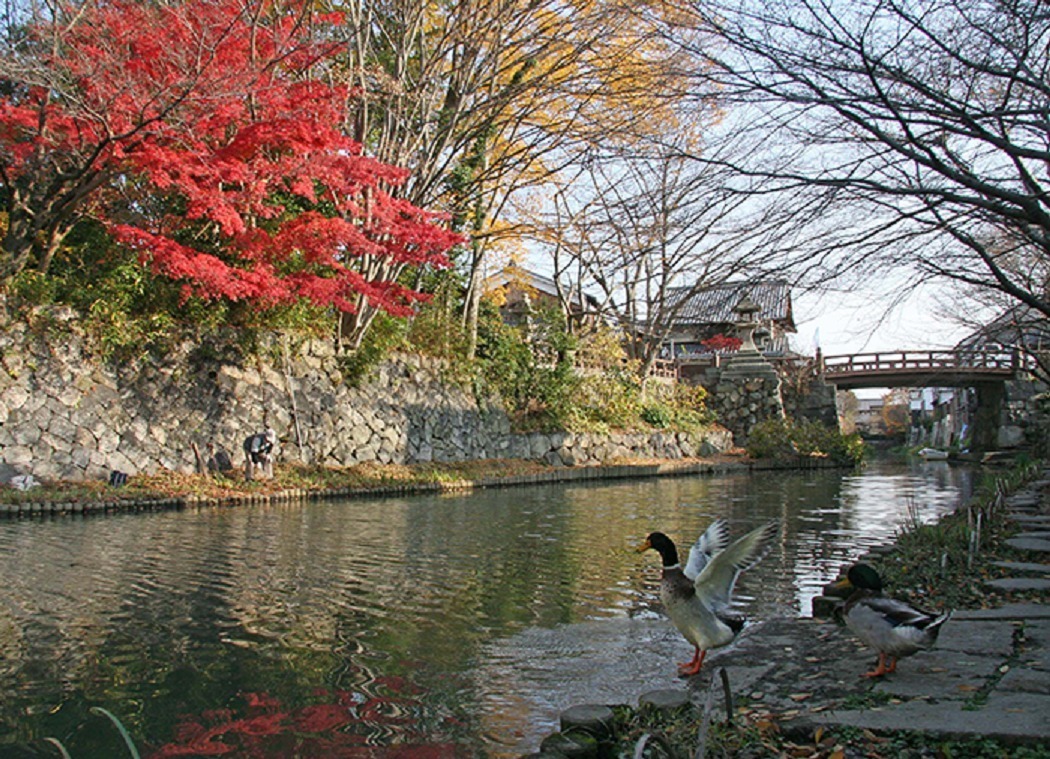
(259, 452)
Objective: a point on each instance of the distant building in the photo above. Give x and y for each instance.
(868, 418)
(941, 417)
(1021, 327)
(523, 292)
(1023, 333)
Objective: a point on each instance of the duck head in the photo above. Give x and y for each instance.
(662, 545)
(861, 577)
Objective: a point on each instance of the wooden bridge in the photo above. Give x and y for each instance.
(954, 368)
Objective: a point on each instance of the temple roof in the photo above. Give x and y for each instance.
(714, 304)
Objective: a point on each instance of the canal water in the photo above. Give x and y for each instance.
(453, 625)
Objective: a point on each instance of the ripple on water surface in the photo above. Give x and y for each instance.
(458, 621)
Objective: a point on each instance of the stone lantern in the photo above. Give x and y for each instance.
(748, 361)
(747, 311)
(748, 389)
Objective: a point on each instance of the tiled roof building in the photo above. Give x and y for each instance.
(709, 311)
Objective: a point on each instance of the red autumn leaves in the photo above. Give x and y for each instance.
(208, 136)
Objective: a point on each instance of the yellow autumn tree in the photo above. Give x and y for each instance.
(896, 412)
(485, 100)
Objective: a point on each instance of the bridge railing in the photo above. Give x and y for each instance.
(996, 361)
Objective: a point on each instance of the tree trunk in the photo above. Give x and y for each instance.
(472, 304)
(17, 246)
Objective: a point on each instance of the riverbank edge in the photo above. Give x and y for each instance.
(662, 468)
(783, 722)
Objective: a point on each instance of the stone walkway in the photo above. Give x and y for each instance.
(988, 675)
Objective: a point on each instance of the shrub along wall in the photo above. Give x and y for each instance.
(64, 414)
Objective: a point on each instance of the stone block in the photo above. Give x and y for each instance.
(539, 445)
(62, 459)
(1025, 680)
(595, 719)
(108, 440)
(956, 674)
(387, 447)
(81, 459)
(567, 457)
(425, 452)
(16, 397)
(1013, 584)
(1029, 612)
(68, 396)
(574, 746)
(18, 455)
(49, 470)
(26, 433)
(84, 438)
(1023, 566)
(118, 460)
(1023, 500)
(365, 454)
(1037, 633)
(1010, 436)
(359, 436)
(62, 429)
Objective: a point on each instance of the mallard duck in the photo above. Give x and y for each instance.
(697, 597)
(893, 628)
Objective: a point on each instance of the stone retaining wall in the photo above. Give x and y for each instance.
(64, 414)
(743, 402)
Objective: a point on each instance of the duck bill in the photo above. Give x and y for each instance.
(843, 585)
(645, 545)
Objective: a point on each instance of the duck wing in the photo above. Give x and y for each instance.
(714, 584)
(714, 539)
(900, 614)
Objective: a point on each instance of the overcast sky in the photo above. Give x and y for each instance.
(870, 322)
(850, 323)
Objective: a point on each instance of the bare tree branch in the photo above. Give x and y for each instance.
(923, 129)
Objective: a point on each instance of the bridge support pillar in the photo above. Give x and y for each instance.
(991, 397)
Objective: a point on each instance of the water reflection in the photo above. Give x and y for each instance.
(457, 623)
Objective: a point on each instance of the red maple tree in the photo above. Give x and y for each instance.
(722, 343)
(207, 136)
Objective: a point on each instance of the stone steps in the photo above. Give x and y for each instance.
(1027, 510)
(1023, 566)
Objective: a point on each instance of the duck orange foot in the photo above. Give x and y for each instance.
(882, 668)
(693, 667)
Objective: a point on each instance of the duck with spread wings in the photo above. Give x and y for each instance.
(697, 596)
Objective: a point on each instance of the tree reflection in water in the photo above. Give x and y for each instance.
(437, 623)
(339, 724)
